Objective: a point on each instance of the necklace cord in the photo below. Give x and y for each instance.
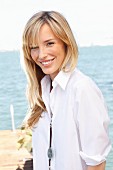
(50, 143)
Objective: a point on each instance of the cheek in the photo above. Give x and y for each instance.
(62, 54)
(34, 57)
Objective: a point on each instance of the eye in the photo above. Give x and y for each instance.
(50, 44)
(33, 48)
(34, 51)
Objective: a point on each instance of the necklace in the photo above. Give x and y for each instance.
(50, 152)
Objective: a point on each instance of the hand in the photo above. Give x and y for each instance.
(98, 167)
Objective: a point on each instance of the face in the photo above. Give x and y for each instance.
(49, 52)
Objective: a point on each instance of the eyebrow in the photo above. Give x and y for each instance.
(35, 46)
(49, 40)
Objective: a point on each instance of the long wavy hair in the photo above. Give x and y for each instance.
(62, 30)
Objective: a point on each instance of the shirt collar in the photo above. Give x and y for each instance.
(61, 79)
(45, 82)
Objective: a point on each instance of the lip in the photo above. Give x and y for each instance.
(46, 63)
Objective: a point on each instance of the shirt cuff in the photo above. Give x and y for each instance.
(95, 159)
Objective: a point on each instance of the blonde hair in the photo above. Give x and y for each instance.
(62, 30)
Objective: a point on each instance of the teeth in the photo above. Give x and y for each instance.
(47, 62)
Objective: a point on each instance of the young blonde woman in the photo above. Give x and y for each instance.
(67, 111)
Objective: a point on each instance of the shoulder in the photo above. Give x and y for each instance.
(81, 83)
(79, 79)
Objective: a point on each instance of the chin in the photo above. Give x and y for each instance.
(47, 72)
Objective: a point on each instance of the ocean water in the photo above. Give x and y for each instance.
(95, 61)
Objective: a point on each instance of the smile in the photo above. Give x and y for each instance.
(47, 62)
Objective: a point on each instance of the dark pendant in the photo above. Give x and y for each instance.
(50, 153)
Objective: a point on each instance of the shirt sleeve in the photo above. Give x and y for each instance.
(93, 121)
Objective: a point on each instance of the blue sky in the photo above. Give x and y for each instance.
(90, 20)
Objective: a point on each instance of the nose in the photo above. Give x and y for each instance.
(42, 53)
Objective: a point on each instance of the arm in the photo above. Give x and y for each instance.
(93, 121)
(98, 167)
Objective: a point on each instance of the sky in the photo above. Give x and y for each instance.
(91, 20)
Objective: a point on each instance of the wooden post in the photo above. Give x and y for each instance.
(12, 117)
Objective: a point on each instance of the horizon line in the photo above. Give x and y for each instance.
(79, 46)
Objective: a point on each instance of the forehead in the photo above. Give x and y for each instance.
(45, 33)
(42, 34)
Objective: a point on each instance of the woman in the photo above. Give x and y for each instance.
(67, 110)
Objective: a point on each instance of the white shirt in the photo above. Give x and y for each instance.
(79, 124)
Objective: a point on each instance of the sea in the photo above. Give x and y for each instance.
(95, 61)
